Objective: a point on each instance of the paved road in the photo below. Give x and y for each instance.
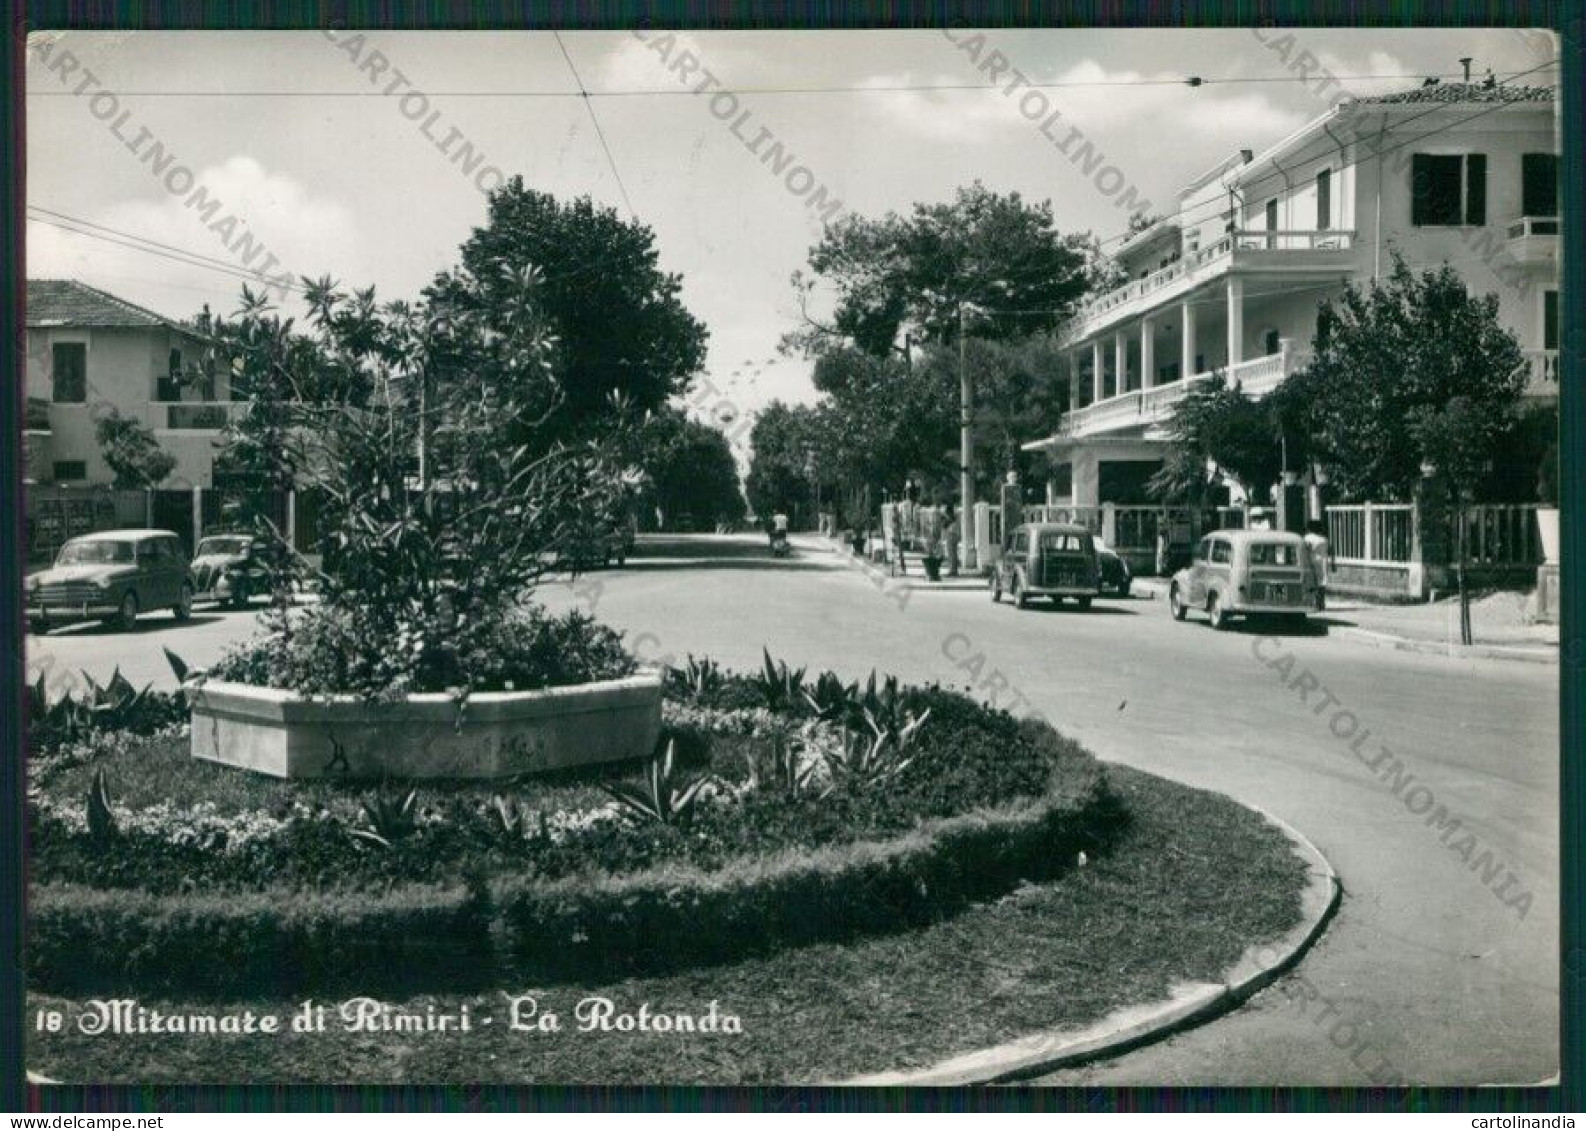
(1425, 974)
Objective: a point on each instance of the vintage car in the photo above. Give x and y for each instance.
(231, 568)
(111, 576)
(1246, 572)
(1047, 559)
(1116, 578)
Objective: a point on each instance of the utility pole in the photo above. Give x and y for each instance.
(966, 441)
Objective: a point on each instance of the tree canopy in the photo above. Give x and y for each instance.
(909, 274)
(617, 322)
(690, 470)
(1388, 353)
(131, 452)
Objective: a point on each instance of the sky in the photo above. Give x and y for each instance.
(317, 165)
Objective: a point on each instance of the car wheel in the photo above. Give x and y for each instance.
(184, 604)
(1083, 603)
(127, 614)
(1123, 587)
(1175, 603)
(1216, 614)
(38, 626)
(1020, 599)
(996, 587)
(239, 595)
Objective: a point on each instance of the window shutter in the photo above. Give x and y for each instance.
(1476, 190)
(1324, 200)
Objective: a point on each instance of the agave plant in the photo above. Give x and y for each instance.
(777, 767)
(101, 818)
(778, 684)
(832, 699)
(390, 819)
(515, 820)
(664, 795)
(700, 678)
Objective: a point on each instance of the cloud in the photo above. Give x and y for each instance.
(307, 235)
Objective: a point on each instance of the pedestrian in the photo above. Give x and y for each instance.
(950, 536)
(1316, 543)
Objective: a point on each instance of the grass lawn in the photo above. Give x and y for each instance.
(1196, 881)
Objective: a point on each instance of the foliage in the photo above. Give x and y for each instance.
(780, 686)
(699, 678)
(1386, 352)
(346, 651)
(101, 819)
(444, 500)
(911, 273)
(115, 706)
(389, 818)
(618, 322)
(1219, 429)
(664, 795)
(690, 470)
(131, 452)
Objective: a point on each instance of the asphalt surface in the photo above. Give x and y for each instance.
(1430, 972)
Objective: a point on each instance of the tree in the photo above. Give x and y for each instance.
(690, 469)
(132, 453)
(616, 322)
(897, 274)
(783, 443)
(1219, 430)
(1385, 353)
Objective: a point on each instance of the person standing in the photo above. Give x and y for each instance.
(950, 537)
(1316, 543)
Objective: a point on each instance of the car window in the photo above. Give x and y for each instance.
(1221, 552)
(94, 552)
(1063, 542)
(1203, 551)
(1274, 554)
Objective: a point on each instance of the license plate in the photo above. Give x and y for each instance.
(1275, 594)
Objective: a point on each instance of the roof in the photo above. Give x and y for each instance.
(66, 302)
(128, 535)
(1066, 527)
(1464, 92)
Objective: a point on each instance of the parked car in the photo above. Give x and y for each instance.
(1115, 576)
(1047, 559)
(111, 576)
(231, 568)
(1246, 572)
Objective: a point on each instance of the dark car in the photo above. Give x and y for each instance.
(231, 568)
(1115, 576)
(111, 576)
(1047, 559)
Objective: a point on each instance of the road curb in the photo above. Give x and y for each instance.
(1531, 654)
(1187, 1005)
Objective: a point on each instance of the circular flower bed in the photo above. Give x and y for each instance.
(777, 812)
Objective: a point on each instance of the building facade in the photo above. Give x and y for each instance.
(1463, 174)
(90, 353)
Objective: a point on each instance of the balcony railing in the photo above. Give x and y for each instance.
(1533, 226)
(199, 415)
(1195, 260)
(1257, 377)
(1543, 365)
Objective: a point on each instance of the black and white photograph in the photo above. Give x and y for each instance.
(945, 556)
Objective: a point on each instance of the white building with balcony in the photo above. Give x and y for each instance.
(89, 352)
(1465, 174)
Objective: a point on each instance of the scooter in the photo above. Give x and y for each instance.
(779, 545)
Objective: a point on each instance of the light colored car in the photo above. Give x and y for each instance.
(1246, 572)
(1047, 559)
(111, 576)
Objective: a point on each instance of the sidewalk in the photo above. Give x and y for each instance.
(1497, 621)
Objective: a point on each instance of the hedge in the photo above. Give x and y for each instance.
(675, 916)
(84, 940)
(424, 938)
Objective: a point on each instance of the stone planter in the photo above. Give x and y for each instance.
(1547, 531)
(491, 735)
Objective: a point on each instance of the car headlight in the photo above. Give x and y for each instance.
(102, 582)
(32, 583)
